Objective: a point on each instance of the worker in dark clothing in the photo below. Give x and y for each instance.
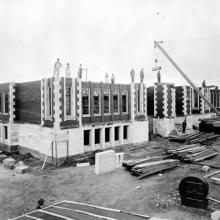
(184, 126)
(40, 204)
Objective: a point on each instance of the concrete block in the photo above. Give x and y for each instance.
(82, 165)
(9, 163)
(105, 162)
(2, 157)
(163, 126)
(215, 215)
(119, 158)
(22, 169)
(205, 168)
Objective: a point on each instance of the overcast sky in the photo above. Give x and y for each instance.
(110, 36)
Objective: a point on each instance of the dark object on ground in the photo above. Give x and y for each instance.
(184, 126)
(80, 211)
(40, 204)
(193, 192)
(210, 125)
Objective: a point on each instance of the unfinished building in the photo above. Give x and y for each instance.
(63, 116)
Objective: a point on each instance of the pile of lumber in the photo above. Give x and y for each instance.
(210, 125)
(192, 153)
(145, 167)
(204, 138)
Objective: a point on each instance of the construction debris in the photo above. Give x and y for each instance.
(2, 157)
(192, 153)
(21, 169)
(215, 215)
(9, 163)
(205, 168)
(149, 166)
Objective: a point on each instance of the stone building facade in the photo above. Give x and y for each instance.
(62, 116)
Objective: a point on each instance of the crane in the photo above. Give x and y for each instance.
(157, 44)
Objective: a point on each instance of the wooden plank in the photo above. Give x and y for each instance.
(154, 163)
(206, 157)
(212, 174)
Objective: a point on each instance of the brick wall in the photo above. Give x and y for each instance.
(28, 102)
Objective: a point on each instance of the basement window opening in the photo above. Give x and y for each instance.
(107, 134)
(116, 133)
(97, 136)
(125, 132)
(5, 132)
(86, 137)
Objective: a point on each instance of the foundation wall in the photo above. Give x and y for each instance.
(163, 126)
(139, 132)
(36, 138)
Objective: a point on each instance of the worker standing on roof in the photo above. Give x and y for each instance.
(184, 126)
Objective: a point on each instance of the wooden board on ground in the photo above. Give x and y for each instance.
(68, 210)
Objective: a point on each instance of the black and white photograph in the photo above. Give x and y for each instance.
(109, 110)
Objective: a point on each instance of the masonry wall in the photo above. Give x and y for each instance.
(139, 132)
(28, 102)
(68, 121)
(183, 100)
(35, 139)
(215, 97)
(4, 88)
(91, 118)
(164, 100)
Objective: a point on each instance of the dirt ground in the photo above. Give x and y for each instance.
(156, 195)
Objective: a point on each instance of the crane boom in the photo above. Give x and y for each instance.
(156, 44)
